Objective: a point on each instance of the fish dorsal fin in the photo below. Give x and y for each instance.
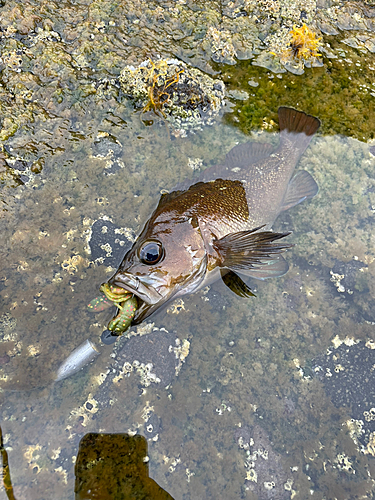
(247, 153)
(252, 253)
(301, 186)
(235, 283)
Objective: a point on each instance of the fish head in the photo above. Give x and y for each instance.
(166, 261)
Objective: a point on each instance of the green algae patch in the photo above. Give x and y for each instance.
(341, 93)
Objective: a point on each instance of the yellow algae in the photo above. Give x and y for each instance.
(305, 44)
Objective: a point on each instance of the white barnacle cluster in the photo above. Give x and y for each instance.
(355, 428)
(89, 408)
(336, 280)
(71, 264)
(9, 334)
(369, 415)
(222, 48)
(195, 163)
(343, 463)
(32, 456)
(252, 455)
(144, 370)
(146, 374)
(181, 352)
(176, 307)
(172, 462)
(223, 407)
(349, 341)
(370, 448)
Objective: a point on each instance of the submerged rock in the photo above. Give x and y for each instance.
(348, 375)
(265, 475)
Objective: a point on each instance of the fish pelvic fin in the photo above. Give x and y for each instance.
(235, 283)
(252, 253)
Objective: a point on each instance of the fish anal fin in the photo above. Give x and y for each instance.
(271, 269)
(301, 186)
(246, 251)
(235, 283)
(247, 153)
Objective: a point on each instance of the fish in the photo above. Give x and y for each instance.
(220, 226)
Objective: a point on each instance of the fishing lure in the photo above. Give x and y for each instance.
(125, 302)
(122, 321)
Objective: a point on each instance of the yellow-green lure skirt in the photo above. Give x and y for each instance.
(125, 301)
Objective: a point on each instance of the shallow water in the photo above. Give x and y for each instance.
(249, 410)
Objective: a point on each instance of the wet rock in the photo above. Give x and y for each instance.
(106, 145)
(181, 94)
(151, 357)
(344, 275)
(348, 375)
(265, 475)
(108, 243)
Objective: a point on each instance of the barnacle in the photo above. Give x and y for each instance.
(304, 43)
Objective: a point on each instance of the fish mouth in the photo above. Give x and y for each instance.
(155, 290)
(148, 294)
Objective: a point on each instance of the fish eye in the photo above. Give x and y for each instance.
(151, 252)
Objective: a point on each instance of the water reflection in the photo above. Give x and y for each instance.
(114, 467)
(6, 477)
(108, 466)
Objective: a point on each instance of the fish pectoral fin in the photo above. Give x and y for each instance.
(247, 153)
(235, 283)
(252, 253)
(301, 186)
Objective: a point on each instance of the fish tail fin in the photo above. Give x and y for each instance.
(297, 126)
(297, 122)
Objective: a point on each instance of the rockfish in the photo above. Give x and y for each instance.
(221, 226)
